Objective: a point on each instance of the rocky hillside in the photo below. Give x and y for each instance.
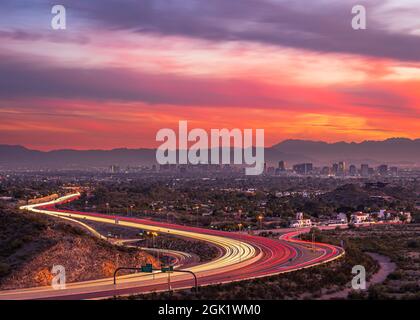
(31, 244)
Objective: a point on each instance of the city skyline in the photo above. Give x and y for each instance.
(118, 74)
(330, 143)
(210, 157)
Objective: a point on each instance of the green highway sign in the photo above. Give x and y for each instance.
(166, 269)
(147, 268)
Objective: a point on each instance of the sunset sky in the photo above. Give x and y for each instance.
(122, 70)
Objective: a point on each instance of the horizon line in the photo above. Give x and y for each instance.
(148, 148)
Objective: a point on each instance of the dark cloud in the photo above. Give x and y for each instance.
(26, 78)
(22, 35)
(302, 24)
(323, 26)
(380, 99)
(23, 79)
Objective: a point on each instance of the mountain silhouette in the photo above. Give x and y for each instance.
(395, 151)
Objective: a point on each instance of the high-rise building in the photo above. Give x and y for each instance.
(271, 170)
(341, 168)
(393, 171)
(303, 168)
(335, 169)
(114, 169)
(364, 170)
(352, 170)
(383, 169)
(282, 166)
(326, 171)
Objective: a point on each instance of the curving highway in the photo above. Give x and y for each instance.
(243, 257)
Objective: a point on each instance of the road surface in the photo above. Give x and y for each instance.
(244, 257)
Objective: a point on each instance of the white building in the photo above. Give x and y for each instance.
(299, 216)
(382, 214)
(301, 223)
(407, 216)
(342, 217)
(359, 217)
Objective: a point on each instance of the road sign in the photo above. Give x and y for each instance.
(167, 269)
(147, 268)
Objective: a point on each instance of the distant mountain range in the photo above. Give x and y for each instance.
(395, 151)
(399, 151)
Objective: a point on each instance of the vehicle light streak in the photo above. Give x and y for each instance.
(244, 257)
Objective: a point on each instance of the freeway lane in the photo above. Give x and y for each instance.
(244, 257)
(180, 258)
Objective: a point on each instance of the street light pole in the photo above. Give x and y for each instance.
(169, 281)
(313, 241)
(169, 271)
(260, 218)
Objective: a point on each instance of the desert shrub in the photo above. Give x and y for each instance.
(4, 269)
(396, 275)
(412, 244)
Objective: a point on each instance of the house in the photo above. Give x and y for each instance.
(382, 214)
(395, 219)
(406, 217)
(359, 217)
(299, 216)
(342, 217)
(301, 223)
